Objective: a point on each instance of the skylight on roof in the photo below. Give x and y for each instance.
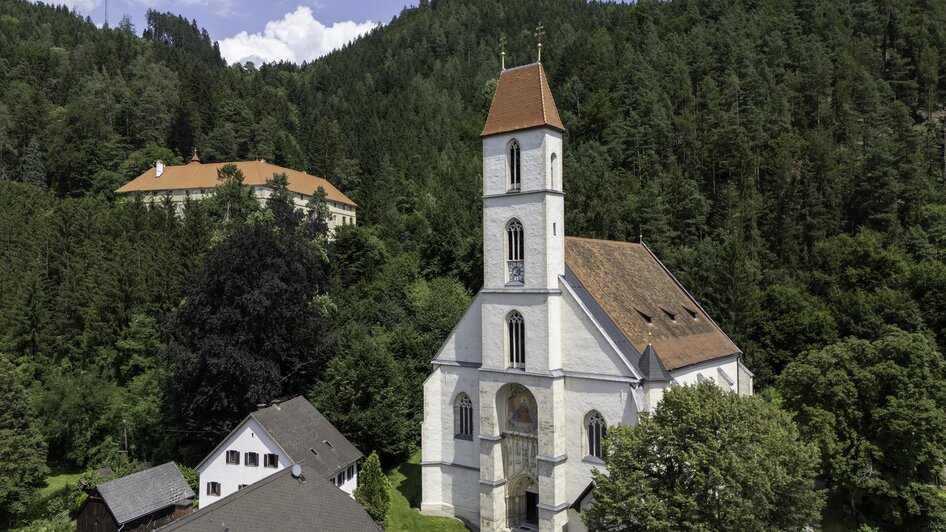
(647, 318)
(691, 312)
(326, 442)
(671, 315)
(313, 451)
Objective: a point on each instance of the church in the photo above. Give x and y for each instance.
(568, 337)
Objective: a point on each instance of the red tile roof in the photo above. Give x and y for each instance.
(646, 302)
(204, 176)
(522, 100)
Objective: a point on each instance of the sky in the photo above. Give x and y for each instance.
(259, 30)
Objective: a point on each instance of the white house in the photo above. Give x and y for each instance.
(272, 439)
(568, 336)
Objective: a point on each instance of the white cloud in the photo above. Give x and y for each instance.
(297, 37)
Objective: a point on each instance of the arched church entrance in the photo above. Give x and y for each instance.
(520, 445)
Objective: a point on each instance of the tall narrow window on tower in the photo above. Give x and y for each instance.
(517, 341)
(514, 252)
(554, 172)
(515, 174)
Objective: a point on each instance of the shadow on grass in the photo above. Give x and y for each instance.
(410, 486)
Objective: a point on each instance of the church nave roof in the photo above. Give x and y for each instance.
(645, 302)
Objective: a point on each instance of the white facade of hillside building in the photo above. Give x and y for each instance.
(250, 453)
(525, 386)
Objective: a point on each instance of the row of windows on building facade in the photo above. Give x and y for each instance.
(252, 459)
(344, 476)
(595, 427)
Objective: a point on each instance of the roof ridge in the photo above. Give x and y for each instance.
(589, 239)
(545, 116)
(510, 69)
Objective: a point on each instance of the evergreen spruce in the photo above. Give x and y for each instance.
(373, 491)
(34, 171)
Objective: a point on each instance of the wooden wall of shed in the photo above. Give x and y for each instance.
(95, 516)
(158, 519)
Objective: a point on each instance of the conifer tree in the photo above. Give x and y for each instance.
(23, 468)
(373, 491)
(34, 170)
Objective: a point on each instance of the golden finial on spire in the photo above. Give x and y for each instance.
(502, 47)
(539, 33)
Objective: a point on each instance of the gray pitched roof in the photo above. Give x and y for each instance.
(282, 502)
(297, 427)
(652, 368)
(144, 492)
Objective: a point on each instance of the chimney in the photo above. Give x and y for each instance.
(158, 168)
(276, 403)
(260, 406)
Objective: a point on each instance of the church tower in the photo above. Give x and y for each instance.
(524, 260)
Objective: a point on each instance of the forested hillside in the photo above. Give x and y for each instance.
(785, 158)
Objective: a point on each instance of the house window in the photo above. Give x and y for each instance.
(463, 417)
(351, 471)
(213, 488)
(517, 341)
(515, 167)
(596, 432)
(233, 457)
(515, 266)
(270, 460)
(251, 459)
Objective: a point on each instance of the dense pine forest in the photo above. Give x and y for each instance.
(785, 158)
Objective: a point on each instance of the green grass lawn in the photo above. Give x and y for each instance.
(403, 514)
(59, 479)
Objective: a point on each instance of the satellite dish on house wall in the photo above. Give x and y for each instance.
(296, 470)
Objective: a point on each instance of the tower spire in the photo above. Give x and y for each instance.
(539, 33)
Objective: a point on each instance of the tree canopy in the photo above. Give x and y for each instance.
(875, 409)
(707, 460)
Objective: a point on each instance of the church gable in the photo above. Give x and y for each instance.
(586, 342)
(645, 302)
(464, 343)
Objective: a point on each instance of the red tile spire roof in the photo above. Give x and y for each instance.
(522, 100)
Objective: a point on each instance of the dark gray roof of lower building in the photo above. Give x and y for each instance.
(145, 492)
(282, 502)
(299, 428)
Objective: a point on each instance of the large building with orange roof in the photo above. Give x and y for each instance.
(197, 180)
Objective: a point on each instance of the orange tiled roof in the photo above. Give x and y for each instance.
(522, 100)
(255, 173)
(630, 284)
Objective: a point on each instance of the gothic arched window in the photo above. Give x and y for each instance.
(515, 167)
(517, 340)
(463, 416)
(553, 170)
(515, 252)
(597, 429)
